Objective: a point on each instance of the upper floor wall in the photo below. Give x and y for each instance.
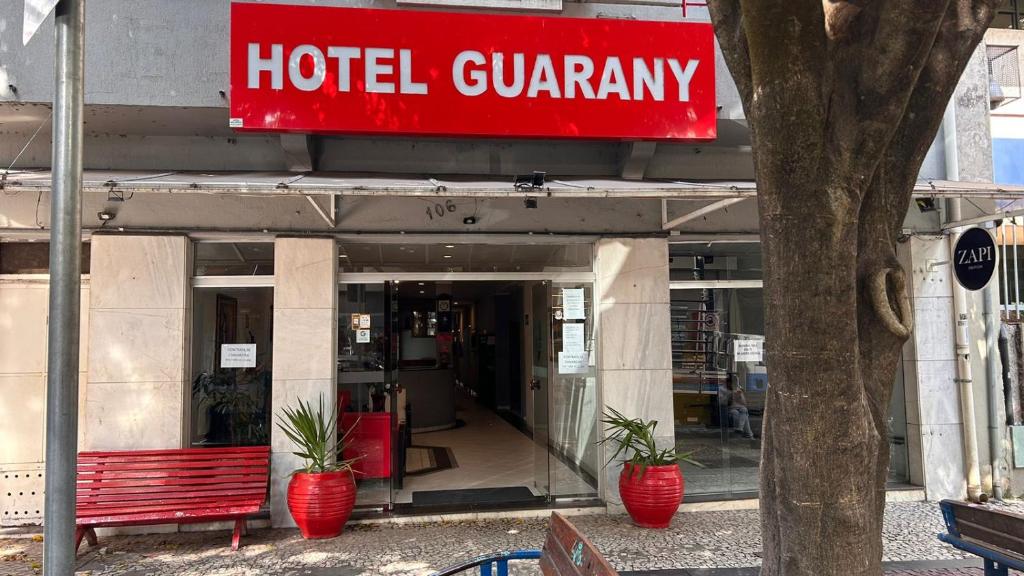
(1006, 66)
(159, 53)
(157, 91)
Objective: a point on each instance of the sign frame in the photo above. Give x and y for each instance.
(975, 258)
(365, 71)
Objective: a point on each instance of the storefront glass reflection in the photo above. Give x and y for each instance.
(720, 376)
(365, 393)
(232, 362)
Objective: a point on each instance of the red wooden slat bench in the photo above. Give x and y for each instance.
(145, 487)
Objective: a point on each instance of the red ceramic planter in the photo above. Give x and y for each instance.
(653, 497)
(321, 503)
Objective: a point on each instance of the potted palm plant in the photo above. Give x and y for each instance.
(651, 484)
(321, 495)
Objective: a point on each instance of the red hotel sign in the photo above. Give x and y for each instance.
(363, 71)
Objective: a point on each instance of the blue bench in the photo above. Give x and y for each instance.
(995, 535)
(566, 552)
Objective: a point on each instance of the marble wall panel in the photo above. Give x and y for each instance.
(133, 415)
(945, 476)
(635, 337)
(22, 417)
(138, 271)
(300, 267)
(933, 329)
(633, 270)
(304, 343)
(136, 345)
(23, 328)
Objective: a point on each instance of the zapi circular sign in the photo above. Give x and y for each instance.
(974, 259)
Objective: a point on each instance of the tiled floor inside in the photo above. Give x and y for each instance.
(490, 453)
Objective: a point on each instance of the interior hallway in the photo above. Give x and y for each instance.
(488, 452)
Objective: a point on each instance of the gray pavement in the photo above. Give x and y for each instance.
(696, 542)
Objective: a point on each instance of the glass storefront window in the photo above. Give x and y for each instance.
(356, 257)
(719, 374)
(234, 259)
(32, 257)
(719, 384)
(366, 399)
(232, 363)
(715, 261)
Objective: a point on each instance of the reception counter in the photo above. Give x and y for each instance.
(430, 392)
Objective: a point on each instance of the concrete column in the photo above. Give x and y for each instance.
(305, 335)
(137, 342)
(934, 422)
(635, 345)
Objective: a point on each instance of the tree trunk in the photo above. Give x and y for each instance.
(825, 453)
(843, 99)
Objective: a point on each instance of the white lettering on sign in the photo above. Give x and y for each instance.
(272, 65)
(478, 77)
(379, 69)
(375, 69)
(578, 70)
(473, 75)
(975, 256)
(647, 79)
(518, 75)
(307, 83)
(345, 55)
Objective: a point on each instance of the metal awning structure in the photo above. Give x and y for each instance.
(348, 184)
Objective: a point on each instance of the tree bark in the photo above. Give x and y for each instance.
(843, 101)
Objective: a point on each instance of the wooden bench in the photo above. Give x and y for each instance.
(566, 552)
(145, 487)
(993, 534)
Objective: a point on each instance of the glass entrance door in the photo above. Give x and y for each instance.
(572, 392)
(564, 386)
(540, 329)
(367, 399)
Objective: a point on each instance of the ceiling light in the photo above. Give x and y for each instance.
(342, 255)
(422, 292)
(449, 245)
(447, 255)
(420, 283)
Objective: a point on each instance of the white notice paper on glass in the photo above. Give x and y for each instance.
(237, 355)
(362, 336)
(572, 304)
(573, 362)
(572, 337)
(364, 320)
(748, 350)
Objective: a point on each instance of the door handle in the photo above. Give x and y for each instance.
(534, 384)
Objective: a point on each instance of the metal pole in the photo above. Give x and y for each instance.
(994, 375)
(1017, 276)
(1006, 278)
(964, 372)
(65, 293)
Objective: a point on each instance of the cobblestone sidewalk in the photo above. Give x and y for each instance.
(696, 540)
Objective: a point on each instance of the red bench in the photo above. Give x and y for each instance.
(145, 487)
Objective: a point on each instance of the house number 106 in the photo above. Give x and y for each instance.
(440, 210)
